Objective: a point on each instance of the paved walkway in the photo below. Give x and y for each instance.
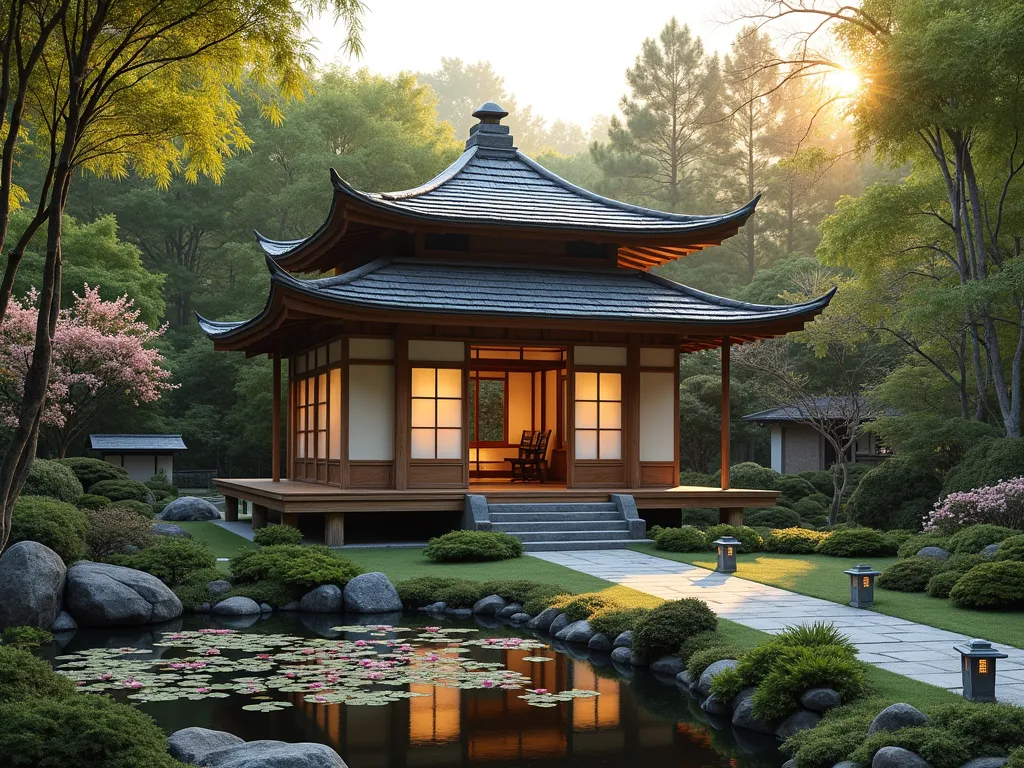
(918, 651)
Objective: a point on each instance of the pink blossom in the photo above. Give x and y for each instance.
(488, 683)
(263, 656)
(132, 683)
(360, 643)
(202, 690)
(212, 652)
(432, 629)
(539, 690)
(999, 504)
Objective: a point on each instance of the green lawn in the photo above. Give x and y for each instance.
(223, 542)
(823, 577)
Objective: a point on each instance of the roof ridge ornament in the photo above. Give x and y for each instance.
(489, 136)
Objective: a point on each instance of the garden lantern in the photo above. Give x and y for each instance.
(727, 546)
(978, 666)
(862, 585)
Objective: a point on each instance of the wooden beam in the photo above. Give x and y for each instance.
(403, 406)
(275, 442)
(631, 415)
(726, 341)
(259, 516)
(231, 509)
(334, 529)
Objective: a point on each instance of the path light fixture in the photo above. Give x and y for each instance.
(862, 585)
(727, 546)
(978, 667)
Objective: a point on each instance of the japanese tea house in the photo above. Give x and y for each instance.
(497, 298)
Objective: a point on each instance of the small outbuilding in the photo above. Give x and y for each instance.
(143, 456)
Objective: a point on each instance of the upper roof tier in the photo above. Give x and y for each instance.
(494, 189)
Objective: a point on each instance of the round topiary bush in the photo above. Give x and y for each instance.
(751, 539)
(796, 488)
(987, 463)
(666, 627)
(273, 535)
(91, 471)
(910, 575)
(580, 607)
(898, 493)
(23, 675)
(58, 525)
(120, 489)
(962, 563)
(81, 730)
(941, 584)
(91, 501)
(473, 547)
(853, 542)
(53, 479)
(794, 541)
(919, 541)
(809, 508)
(821, 479)
(749, 474)
(974, 538)
(114, 529)
(172, 559)
(991, 585)
(140, 508)
(777, 517)
(295, 565)
(684, 539)
(1011, 549)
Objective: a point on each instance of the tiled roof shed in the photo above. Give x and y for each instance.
(137, 443)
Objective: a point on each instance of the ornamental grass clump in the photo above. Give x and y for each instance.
(1001, 504)
(583, 606)
(700, 660)
(794, 541)
(665, 628)
(911, 574)
(473, 547)
(685, 539)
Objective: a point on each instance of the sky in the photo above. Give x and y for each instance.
(566, 58)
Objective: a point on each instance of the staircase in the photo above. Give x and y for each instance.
(547, 527)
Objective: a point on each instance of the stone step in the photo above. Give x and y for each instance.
(551, 517)
(559, 507)
(573, 535)
(575, 545)
(515, 528)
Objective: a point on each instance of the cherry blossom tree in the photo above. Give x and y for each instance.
(102, 354)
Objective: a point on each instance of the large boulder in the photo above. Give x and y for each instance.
(577, 632)
(897, 757)
(800, 720)
(600, 643)
(509, 611)
(704, 684)
(561, 622)
(743, 717)
(989, 551)
(488, 606)
(715, 706)
(237, 606)
(937, 552)
(102, 595)
(189, 508)
(670, 666)
(219, 749)
(371, 593)
(169, 529)
(624, 640)
(327, 598)
(542, 620)
(31, 585)
(622, 655)
(820, 699)
(897, 716)
(218, 586)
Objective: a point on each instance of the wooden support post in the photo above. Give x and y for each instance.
(334, 529)
(631, 416)
(403, 407)
(275, 442)
(726, 459)
(259, 516)
(231, 509)
(290, 519)
(730, 516)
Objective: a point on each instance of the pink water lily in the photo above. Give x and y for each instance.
(360, 643)
(488, 683)
(314, 686)
(212, 652)
(320, 699)
(263, 656)
(132, 683)
(432, 629)
(107, 676)
(374, 675)
(202, 690)
(540, 691)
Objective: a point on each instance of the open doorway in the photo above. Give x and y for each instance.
(512, 390)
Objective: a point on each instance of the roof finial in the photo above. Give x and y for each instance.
(489, 112)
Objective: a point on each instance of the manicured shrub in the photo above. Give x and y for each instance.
(698, 642)
(987, 463)
(171, 559)
(801, 668)
(974, 538)
(140, 508)
(473, 547)
(777, 517)
(749, 474)
(461, 593)
(895, 494)
(991, 585)
(162, 484)
(26, 638)
(112, 529)
(910, 575)
(1000, 504)
(962, 563)
(668, 625)
(941, 584)
(81, 730)
(684, 539)
(1011, 549)
(91, 471)
(91, 501)
(795, 541)
(895, 539)
(698, 479)
(583, 606)
(540, 598)
(273, 593)
(193, 591)
(120, 489)
(57, 524)
(797, 488)
(751, 539)
(701, 517)
(853, 542)
(277, 534)
(809, 508)
(294, 565)
(614, 622)
(53, 479)
(417, 591)
(821, 479)
(22, 676)
(158, 505)
(521, 590)
(916, 543)
(700, 660)
(834, 739)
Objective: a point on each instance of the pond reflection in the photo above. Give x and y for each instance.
(636, 721)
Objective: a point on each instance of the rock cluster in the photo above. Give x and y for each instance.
(219, 749)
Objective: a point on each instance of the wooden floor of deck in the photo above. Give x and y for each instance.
(301, 497)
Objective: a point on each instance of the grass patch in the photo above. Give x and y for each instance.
(822, 577)
(223, 542)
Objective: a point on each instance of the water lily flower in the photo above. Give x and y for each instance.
(320, 699)
(360, 643)
(314, 686)
(540, 691)
(263, 656)
(432, 629)
(202, 690)
(132, 683)
(488, 683)
(432, 657)
(212, 652)
(107, 676)
(375, 675)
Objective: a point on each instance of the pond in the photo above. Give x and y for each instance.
(407, 690)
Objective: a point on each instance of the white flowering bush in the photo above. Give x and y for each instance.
(999, 504)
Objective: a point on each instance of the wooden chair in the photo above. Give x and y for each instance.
(533, 465)
(526, 443)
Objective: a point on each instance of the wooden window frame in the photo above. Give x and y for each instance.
(598, 429)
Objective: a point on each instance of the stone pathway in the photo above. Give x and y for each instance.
(918, 651)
